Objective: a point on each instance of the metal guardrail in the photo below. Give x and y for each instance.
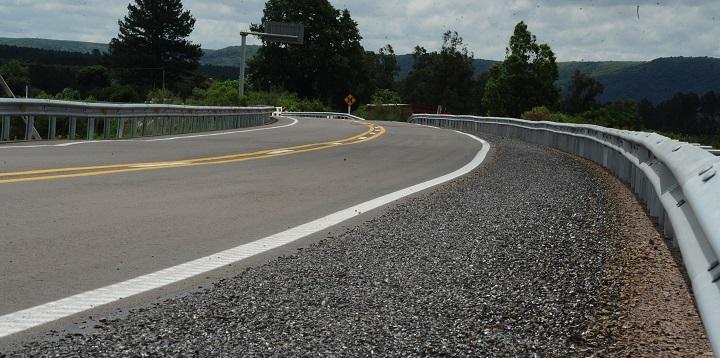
(18, 118)
(679, 182)
(329, 115)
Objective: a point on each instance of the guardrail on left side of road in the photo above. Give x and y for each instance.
(20, 118)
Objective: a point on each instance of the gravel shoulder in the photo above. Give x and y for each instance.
(527, 256)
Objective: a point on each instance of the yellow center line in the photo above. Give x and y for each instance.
(75, 172)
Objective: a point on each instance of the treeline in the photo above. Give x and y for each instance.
(49, 57)
(50, 71)
(686, 114)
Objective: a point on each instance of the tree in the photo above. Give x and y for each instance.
(91, 78)
(525, 79)
(442, 78)
(381, 68)
(582, 93)
(17, 76)
(153, 37)
(328, 66)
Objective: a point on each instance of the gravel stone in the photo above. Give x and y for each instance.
(506, 261)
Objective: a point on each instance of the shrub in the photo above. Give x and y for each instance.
(163, 97)
(544, 114)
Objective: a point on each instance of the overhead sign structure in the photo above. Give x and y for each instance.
(283, 32)
(350, 100)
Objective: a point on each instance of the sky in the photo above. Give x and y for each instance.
(576, 30)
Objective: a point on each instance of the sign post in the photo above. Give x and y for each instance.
(350, 100)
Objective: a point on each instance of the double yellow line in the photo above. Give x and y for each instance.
(372, 132)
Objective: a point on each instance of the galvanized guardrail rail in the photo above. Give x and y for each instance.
(19, 119)
(679, 182)
(329, 115)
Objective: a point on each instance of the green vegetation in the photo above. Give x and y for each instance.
(686, 117)
(328, 66)
(582, 93)
(444, 78)
(16, 75)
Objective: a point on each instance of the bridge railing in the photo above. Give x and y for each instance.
(28, 119)
(678, 181)
(329, 115)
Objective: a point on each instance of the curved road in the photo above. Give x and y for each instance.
(80, 216)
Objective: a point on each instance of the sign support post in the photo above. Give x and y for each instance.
(350, 100)
(287, 33)
(242, 63)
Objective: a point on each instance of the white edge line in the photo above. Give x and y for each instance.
(294, 122)
(36, 316)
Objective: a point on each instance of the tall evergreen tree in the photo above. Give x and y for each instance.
(526, 79)
(328, 66)
(153, 37)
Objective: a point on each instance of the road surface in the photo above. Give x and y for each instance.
(80, 216)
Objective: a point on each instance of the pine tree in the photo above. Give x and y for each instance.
(152, 38)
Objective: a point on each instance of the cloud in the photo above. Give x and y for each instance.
(576, 30)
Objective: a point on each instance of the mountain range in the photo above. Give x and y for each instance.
(654, 80)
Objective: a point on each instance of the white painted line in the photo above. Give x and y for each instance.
(35, 316)
(294, 122)
(362, 138)
(336, 143)
(154, 165)
(281, 151)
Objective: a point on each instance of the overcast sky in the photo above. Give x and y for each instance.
(576, 30)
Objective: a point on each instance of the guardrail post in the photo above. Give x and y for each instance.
(120, 128)
(5, 128)
(72, 127)
(29, 125)
(144, 124)
(52, 127)
(133, 127)
(106, 128)
(90, 128)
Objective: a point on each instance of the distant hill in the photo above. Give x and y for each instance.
(55, 45)
(229, 56)
(661, 78)
(406, 62)
(655, 80)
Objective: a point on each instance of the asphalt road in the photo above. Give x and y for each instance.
(142, 205)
